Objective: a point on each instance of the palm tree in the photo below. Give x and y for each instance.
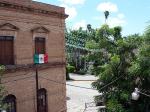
(106, 13)
(89, 27)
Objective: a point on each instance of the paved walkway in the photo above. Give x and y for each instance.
(86, 77)
(77, 97)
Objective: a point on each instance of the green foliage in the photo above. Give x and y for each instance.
(140, 69)
(114, 106)
(121, 64)
(115, 59)
(78, 46)
(2, 69)
(116, 66)
(134, 69)
(91, 44)
(106, 13)
(70, 69)
(2, 90)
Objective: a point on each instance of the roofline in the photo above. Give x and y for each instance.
(31, 8)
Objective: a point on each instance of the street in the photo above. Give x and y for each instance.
(77, 97)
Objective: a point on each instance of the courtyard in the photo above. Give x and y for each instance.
(77, 97)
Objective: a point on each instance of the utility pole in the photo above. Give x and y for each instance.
(37, 88)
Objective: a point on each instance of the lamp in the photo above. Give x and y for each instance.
(136, 94)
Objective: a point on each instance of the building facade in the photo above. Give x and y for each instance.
(28, 27)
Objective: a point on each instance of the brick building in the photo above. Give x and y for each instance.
(28, 27)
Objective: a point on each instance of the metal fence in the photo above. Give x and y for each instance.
(92, 107)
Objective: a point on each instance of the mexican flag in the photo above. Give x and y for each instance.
(40, 58)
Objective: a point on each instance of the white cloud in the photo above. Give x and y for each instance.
(121, 16)
(107, 6)
(79, 24)
(73, 2)
(116, 21)
(71, 11)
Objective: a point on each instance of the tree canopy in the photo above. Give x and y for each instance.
(121, 65)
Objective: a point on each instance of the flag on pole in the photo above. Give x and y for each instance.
(40, 58)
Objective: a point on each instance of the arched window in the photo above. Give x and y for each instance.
(10, 102)
(42, 100)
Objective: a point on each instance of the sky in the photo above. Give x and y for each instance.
(132, 15)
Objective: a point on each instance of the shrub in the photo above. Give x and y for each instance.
(70, 69)
(99, 100)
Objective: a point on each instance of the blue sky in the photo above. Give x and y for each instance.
(132, 15)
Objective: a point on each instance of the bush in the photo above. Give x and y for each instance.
(67, 75)
(69, 69)
(2, 69)
(114, 106)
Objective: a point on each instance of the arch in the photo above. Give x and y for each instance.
(42, 100)
(42, 91)
(10, 101)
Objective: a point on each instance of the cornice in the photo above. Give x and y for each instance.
(30, 9)
(15, 68)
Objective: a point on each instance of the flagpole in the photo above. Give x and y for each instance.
(37, 87)
(38, 59)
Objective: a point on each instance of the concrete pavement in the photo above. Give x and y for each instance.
(77, 97)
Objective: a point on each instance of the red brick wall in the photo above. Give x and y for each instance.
(18, 1)
(37, 5)
(24, 90)
(24, 37)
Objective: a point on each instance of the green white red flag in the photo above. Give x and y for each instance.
(40, 58)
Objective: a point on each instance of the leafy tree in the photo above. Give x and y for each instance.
(76, 40)
(106, 13)
(89, 28)
(140, 69)
(77, 49)
(112, 67)
(2, 90)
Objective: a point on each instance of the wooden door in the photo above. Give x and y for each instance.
(6, 50)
